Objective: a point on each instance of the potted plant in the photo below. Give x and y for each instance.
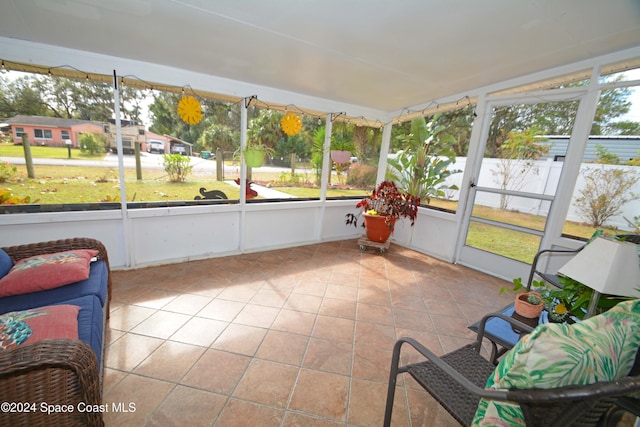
(529, 304)
(255, 153)
(341, 149)
(381, 210)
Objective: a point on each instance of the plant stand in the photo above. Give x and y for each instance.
(364, 243)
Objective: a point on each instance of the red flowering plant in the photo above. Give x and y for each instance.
(388, 201)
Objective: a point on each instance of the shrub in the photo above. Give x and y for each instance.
(177, 166)
(361, 175)
(92, 144)
(604, 194)
(7, 198)
(7, 171)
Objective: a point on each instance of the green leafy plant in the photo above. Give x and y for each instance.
(388, 201)
(422, 169)
(7, 171)
(534, 299)
(177, 166)
(7, 198)
(92, 144)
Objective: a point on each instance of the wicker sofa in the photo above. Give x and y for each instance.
(58, 371)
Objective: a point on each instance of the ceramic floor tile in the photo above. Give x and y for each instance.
(217, 371)
(240, 339)
(154, 298)
(187, 304)
(294, 419)
(338, 308)
(129, 316)
(375, 335)
(375, 314)
(220, 309)
(284, 347)
(294, 321)
(170, 361)
(328, 356)
(199, 331)
(334, 328)
(270, 298)
(292, 337)
(187, 407)
(257, 315)
(161, 324)
(135, 397)
(268, 383)
(310, 394)
(301, 302)
(127, 353)
(367, 403)
(239, 413)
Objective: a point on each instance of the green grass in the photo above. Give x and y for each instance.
(44, 152)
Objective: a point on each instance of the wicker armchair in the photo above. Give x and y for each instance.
(457, 380)
(52, 372)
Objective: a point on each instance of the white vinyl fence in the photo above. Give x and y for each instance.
(542, 178)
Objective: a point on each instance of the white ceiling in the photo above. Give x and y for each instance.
(382, 55)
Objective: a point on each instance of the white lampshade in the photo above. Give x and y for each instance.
(606, 266)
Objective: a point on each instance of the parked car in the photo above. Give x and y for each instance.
(155, 146)
(178, 149)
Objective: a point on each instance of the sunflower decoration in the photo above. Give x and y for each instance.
(190, 110)
(291, 124)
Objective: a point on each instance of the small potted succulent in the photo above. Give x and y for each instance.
(529, 304)
(381, 210)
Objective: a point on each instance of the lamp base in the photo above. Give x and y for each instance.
(593, 304)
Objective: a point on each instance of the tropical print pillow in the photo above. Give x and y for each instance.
(601, 348)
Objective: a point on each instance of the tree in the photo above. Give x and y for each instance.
(18, 97)
(219, 136)
(517, 156)
(66, 98)
(423, 167)
(265, 129)
(606, 191)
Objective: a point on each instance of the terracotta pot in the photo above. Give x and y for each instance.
(377, 228)
(524, 308)
(340, 156)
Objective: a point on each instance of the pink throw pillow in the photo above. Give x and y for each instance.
(48, 271)
(29, 326)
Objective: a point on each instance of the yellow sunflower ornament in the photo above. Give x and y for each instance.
(190, 110)
(291, 124)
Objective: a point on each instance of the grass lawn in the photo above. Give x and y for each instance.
(44, 152)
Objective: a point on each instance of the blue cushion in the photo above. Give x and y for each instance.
(5, 263)
(96, 285)
(90, 322)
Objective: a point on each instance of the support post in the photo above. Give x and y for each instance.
(219, 165)
(27, 156)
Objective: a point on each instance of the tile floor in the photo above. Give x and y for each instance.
(292, 337)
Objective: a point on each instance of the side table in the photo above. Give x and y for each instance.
(504, 335)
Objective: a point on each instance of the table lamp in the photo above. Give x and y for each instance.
(608, 267)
